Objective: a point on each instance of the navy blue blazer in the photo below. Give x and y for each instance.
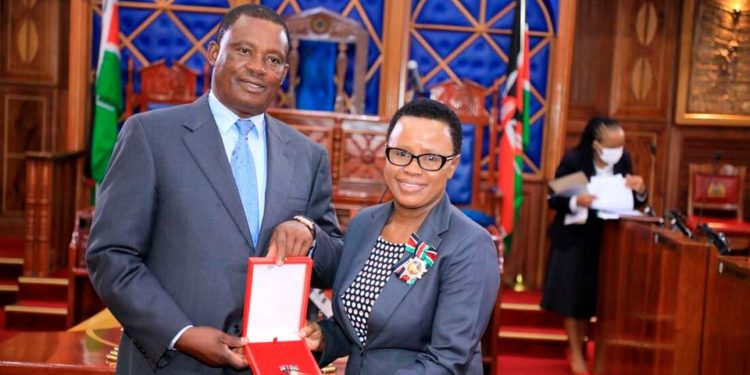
(431, 327)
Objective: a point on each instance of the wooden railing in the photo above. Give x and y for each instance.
(51, 185)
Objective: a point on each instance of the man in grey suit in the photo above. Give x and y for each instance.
(192, 191)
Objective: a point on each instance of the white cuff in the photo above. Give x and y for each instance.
(177, 337)
(311, 252)
(573, 205)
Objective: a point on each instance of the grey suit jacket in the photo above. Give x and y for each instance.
(431, 327)
(170, 242)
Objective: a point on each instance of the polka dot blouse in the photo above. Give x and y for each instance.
(361, 295)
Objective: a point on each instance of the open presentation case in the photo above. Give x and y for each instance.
(275, 308)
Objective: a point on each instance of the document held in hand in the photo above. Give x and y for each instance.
(612, 195)
(569, 185)
(275, 308)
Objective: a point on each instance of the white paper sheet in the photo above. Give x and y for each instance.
(611, 194)
(276, 302)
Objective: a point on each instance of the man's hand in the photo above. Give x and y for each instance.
(313, 336)
(289, 239)
(213, 347)
(585, 200)
(635, 183)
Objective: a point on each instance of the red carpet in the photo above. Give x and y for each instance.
(532, 341)
(4, 333)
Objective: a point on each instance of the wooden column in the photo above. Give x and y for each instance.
(396, 49)
(51, 181)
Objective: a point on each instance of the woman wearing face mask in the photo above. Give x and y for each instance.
(572, 268)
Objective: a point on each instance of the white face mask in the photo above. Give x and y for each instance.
(611, 155)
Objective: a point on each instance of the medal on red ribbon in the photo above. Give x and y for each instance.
(415, 267)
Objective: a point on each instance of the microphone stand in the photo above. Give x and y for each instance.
(717, 239)
(677, 219)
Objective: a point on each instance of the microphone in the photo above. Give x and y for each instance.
(414, 79)
(678, 220)
(718, 239)
(647, 209)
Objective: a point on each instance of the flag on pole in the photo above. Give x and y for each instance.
(514, 123)
(109, 102)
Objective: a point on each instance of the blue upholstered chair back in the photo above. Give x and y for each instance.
(461, 185)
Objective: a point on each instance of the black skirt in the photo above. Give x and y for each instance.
(572, 276)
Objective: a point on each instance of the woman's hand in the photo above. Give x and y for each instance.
(635, 183)
(313, 336)
(585, 200)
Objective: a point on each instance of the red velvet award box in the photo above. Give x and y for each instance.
(275, 307)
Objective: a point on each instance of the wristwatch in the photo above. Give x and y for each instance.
(306, 222)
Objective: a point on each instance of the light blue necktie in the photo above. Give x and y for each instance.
(243, 169)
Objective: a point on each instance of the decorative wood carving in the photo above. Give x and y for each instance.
(52, 181)
(467, 100)
(356, 148)
(643, 61)
(32, 42)
(319, 24)
(160, 84)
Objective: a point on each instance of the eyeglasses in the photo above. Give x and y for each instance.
(428, 162)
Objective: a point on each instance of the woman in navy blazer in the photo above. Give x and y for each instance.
(417, 279)
(573, 265)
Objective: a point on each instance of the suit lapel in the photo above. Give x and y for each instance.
(280, 166)
(395, 289)
(363, 246)
(205, 145)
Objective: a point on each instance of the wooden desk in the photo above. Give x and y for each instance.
(652, 287)
(726, 338)
(59, 353)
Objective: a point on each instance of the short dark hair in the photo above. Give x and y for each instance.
(260, 12)
(433, 110)
(593, 132)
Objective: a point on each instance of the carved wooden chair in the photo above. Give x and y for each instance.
(716, 196)
(472, 187)
(162, 86)
(321, 25)
(356, 147)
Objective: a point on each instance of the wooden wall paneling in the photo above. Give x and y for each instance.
(643, 145)
(51, 180)
(644, 56)
(33, 94)
(31, 41)
(26, 117)
(593, 52)
(528, 252)
(726, 334)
